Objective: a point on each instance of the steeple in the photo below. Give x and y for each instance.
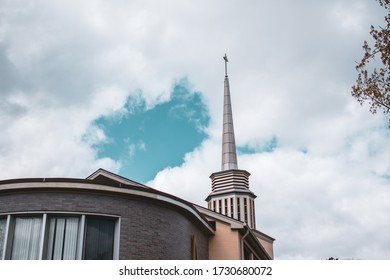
(230, 194)
(229, 156)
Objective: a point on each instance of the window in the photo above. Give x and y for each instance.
(25, 244)
(245, 210)
(62, 239)
(3, 224)
(226, 206)
(59, 237)
(238, 209)
(99, 239)
(232, 207)
(194, 248)
(253, 213)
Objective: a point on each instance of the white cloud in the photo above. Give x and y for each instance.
(48, 141)
(190, 181)
(315, 205)
(291, 65)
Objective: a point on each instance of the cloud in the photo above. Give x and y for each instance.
(320, 203)
(322, 188)
(190, 180)
(315, 206)
(44, 140)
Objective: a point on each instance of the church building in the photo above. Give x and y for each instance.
(107, 216)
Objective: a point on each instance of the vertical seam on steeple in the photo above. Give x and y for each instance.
(229, 154)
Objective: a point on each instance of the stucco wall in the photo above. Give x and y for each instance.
(225, 244)
(149, 230)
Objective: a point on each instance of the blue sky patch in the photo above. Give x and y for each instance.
(243, 150)
(267, 147)
(154, 138)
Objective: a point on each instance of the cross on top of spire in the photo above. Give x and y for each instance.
(226, 61)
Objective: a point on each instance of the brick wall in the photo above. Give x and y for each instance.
(149, 230)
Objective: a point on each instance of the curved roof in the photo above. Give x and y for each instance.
(107, 182)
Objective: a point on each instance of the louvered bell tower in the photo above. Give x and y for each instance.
(230, 193)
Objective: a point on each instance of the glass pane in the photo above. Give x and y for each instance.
(3, 224)
(99, 239)
(62, 239)
(25, 244)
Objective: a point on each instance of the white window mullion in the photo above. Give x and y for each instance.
(42, 237)
(117, 235)
(80, 243)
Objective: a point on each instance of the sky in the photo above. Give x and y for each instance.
(136, 88)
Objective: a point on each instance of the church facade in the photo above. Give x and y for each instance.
(106, 216)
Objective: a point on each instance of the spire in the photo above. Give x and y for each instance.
(229, 156)
(230, 194)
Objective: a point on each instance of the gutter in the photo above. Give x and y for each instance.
(242, 241)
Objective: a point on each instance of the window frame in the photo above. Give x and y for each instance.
(84, 247)
(44, 233)
(13, 229)
(47, 234)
